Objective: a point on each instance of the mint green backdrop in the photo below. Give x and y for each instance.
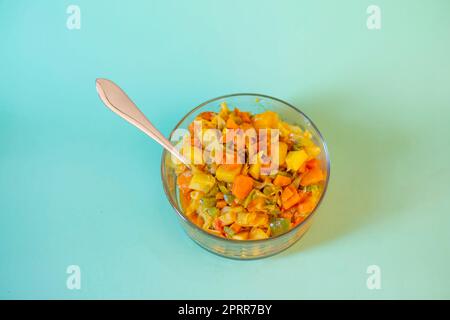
(79, 186)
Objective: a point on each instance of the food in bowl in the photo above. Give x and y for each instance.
(251, 176)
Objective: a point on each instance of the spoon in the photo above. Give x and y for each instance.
(118, 101)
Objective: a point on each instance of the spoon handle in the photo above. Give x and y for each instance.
(118, 101)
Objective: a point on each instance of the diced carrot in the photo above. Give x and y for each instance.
(266, 120)
(208, 115)
(306, 206)
(290, 197)
(245, 116)
(286, 215)
(198, 220)
(312, 176)
(312, 164)
(242, 186)
(282, 181)
(231, 124)
(235, 227)
(299, 219)
(183, 181)
(217, 225)
(221, 204)
(292, 201)
(287, 193)
(247, 126)
(303, 195)
(185, 199)
(219, 196)
(303, 168)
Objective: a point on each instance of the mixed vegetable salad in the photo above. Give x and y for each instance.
(249, 199)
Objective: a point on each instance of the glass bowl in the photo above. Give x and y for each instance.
(248, 249)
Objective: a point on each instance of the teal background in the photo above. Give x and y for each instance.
(80, 186)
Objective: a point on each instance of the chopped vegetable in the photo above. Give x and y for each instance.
(295, 159)
(219, 195)
(287, 193)
(256, 204)
(183, 181)
(290, 197)
(202, 182)
(227, 172)
(212, 211)
(231, 124)
(266, 120)
(282, 152)
(245, 219)
(229, 198)
(279, 226)
(235, 227)
(208, 202)
(306, 206)
(282, 181)
(223, 188)
(228, 218)
(257, 234)
(229, 232)
(311, 177)
(242, 186)
(312, 151)
(221, 204)
(255, 170)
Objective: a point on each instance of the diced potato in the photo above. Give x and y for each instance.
(224, 111)
(252, 219)
(228, 218)
(284, 129)
(312, 151)
(207, 220)
(241, 235)
(196, 195)
(283, 148)
(266, 120)
(261, 219)
(257, 234)
(202, 182)
(245, 219)
(227, 172)
(295, 129)
(255, 170)
(193, 206)
(295, 159)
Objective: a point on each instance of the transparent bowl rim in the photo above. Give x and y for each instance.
(286, 234)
